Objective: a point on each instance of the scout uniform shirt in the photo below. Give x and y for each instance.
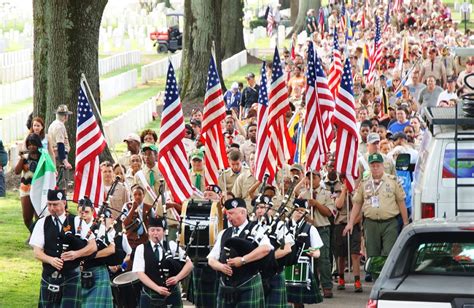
(322, 196)
(228, 178)
(247, 148)
(242, 184)
(58, 134)
(194, 176)
(380, 201)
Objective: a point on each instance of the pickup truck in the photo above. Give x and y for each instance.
(431, 265)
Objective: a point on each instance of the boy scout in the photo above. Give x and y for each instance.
(227, 177)
(323, 209)
(382, 199)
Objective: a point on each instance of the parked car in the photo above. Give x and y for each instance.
(431, 265)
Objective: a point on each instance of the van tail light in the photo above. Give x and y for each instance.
(427, 210)
(372, 303)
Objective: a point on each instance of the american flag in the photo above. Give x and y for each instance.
(270, 21)
(172, 159)
(335, 70)
(326, 101)
(377, 51)
(347, 140)
(215, 156)
(343, 24)
(316, 147)
(90, 142)
(281, 147)
(262, 162)
(387, 17)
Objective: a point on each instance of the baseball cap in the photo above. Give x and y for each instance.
(373, 138)
(250, 75)
(234, 86)
(62, 109)
(375, 158)
(296, 167)
(132, 137)
(452, 79)
(197, 155)
(149, 146)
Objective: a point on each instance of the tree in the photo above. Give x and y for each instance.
(66, 44)
(232, 31)
(303, 7)
(202, 20)
(150, 5)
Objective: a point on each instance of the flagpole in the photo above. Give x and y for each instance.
(84, 80)
(348, 236)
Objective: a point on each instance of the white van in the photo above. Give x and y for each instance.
(434, 182)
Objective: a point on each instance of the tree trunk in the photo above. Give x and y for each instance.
(232, 31)
(66, 45)
(201, 28)
(303, 7)
(294, 5)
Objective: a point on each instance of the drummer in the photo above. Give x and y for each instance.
(157, 289)
(250, 292)
(307, 236)
(273, 285)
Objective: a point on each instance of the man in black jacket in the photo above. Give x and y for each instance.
(249, 95)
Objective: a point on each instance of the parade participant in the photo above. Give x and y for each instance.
(58, 135)
(150, 171)
(148, 136)
(227, 177)
(136, 217)
(323, 209)
(159, 289)
(402, 120)
(381, 199)
(213, 193)
(244, 181)
(3, 164)
(238, 286)
(429, 95)
(26, 166)
(373, 146)
(234, 129)
(306, 237)
(249, 146)
(133, 148)
(96, 290)
(341, 249)
(197, 170)
(434, 67)
(249, 95)
(119, 196)
(273, 277)
(232, 98)
(135, 166)
(37, 127)
(60, 255)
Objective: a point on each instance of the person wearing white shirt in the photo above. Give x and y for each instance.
(281, 240)
(449, 94)
(310, 249)
(240, 281)
(150, 264)
(55, 244)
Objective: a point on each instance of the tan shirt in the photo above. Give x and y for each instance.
(241, 187)
(228, 178)
(193, 176)
(388, 194)
(436, 69)
(388, 164)
(155, 187)
(125, 159)
(58, 134)
(118, 198)
(322, 196)
(247, 148)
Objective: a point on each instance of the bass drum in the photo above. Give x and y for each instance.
(126, 289)
(207, 215)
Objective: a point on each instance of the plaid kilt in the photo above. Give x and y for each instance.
(174, 300)
(71, 290)
(251, 295)
(301, 295)
(204, 287)
(277, 294)
(100, 295)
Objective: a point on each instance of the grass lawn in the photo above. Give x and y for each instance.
(241, 73)
(132, 98)
(12, 108)
(123, 70)
(264, 43)
(20, 273)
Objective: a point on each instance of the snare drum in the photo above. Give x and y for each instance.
(298, 274)
(209, 216)
(126, 289)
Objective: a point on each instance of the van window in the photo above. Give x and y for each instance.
(453, 255)
(465, 168)
(423, 155)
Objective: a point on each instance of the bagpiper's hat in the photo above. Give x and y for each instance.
(262, 200)
(56, 195)
(214, 188)
(301, 203)
(235, 203)
(156, 222)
